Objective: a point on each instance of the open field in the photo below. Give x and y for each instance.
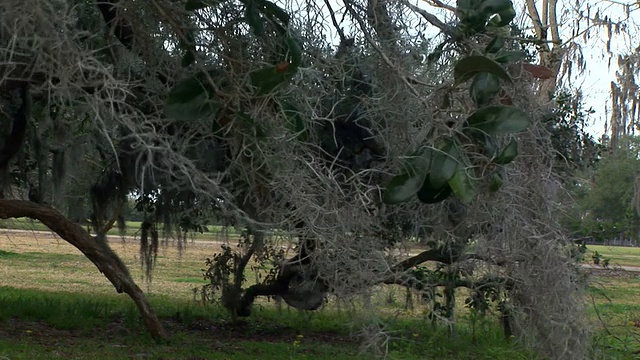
(55, 305)
(618, 255)
(132, 229)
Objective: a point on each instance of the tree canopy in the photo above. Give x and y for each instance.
(343, 131)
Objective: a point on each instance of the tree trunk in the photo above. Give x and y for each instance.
(99, 253)
(550, 57)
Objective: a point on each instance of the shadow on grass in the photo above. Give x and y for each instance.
(54, 325)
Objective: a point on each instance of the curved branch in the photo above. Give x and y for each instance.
(278, 287)
(99, 253)
(432, 19)
(435, 254)
(443, 256)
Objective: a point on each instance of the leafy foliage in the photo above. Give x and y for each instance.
(498, 120)
(242, 113)
(605, 206)
(576, 148)
(468, 67)
(404, 186)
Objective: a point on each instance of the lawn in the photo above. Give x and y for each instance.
(617, 255)
(54, 304)
(132, 229)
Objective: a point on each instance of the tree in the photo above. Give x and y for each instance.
(605, 200)
(242, 111)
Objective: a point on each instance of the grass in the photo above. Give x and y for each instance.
(54, 304)
(35, 324)
(618, 255)
(214, 232)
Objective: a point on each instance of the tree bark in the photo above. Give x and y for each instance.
(99, 253)
(550, 57)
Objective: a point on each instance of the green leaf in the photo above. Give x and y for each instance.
(267, 79)
(495, 45)
(190, 100)
(251, 123)
(402, 187)
(189, 48)
(508, 153)
(295, 52)
(507, 16)
(273, 10)
(496, 182)
(446, 101)
(474, 14)
(509, 56)
(484, 88)
(254, 18)
(488, 143)
(504, 8)
(429, 194)
(188, 58)
(466, 68)
(444, 164)
(200, 4)
(472, 20)
(462, 186)
(295, 122)
(499, 120)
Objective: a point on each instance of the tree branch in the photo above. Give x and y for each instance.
(343, 38)
(553, 23)
(440, 4)
(539, 27)
(117, 26)
(445, 257)
(99, 253)
(411, 282)
(432, 19)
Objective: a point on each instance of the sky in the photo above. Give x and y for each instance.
(595, 82)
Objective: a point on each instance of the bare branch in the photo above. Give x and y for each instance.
(440, 4)
(432, 19)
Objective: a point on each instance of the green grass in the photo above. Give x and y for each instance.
(38, 323)
(28, 349)
(85, 318)
(618, 255)
(616, 315)
(47, 325)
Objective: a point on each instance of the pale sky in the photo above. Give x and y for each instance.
(596, 80)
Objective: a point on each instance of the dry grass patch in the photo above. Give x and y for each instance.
(41, 260)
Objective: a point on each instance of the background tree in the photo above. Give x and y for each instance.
(605, 199)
